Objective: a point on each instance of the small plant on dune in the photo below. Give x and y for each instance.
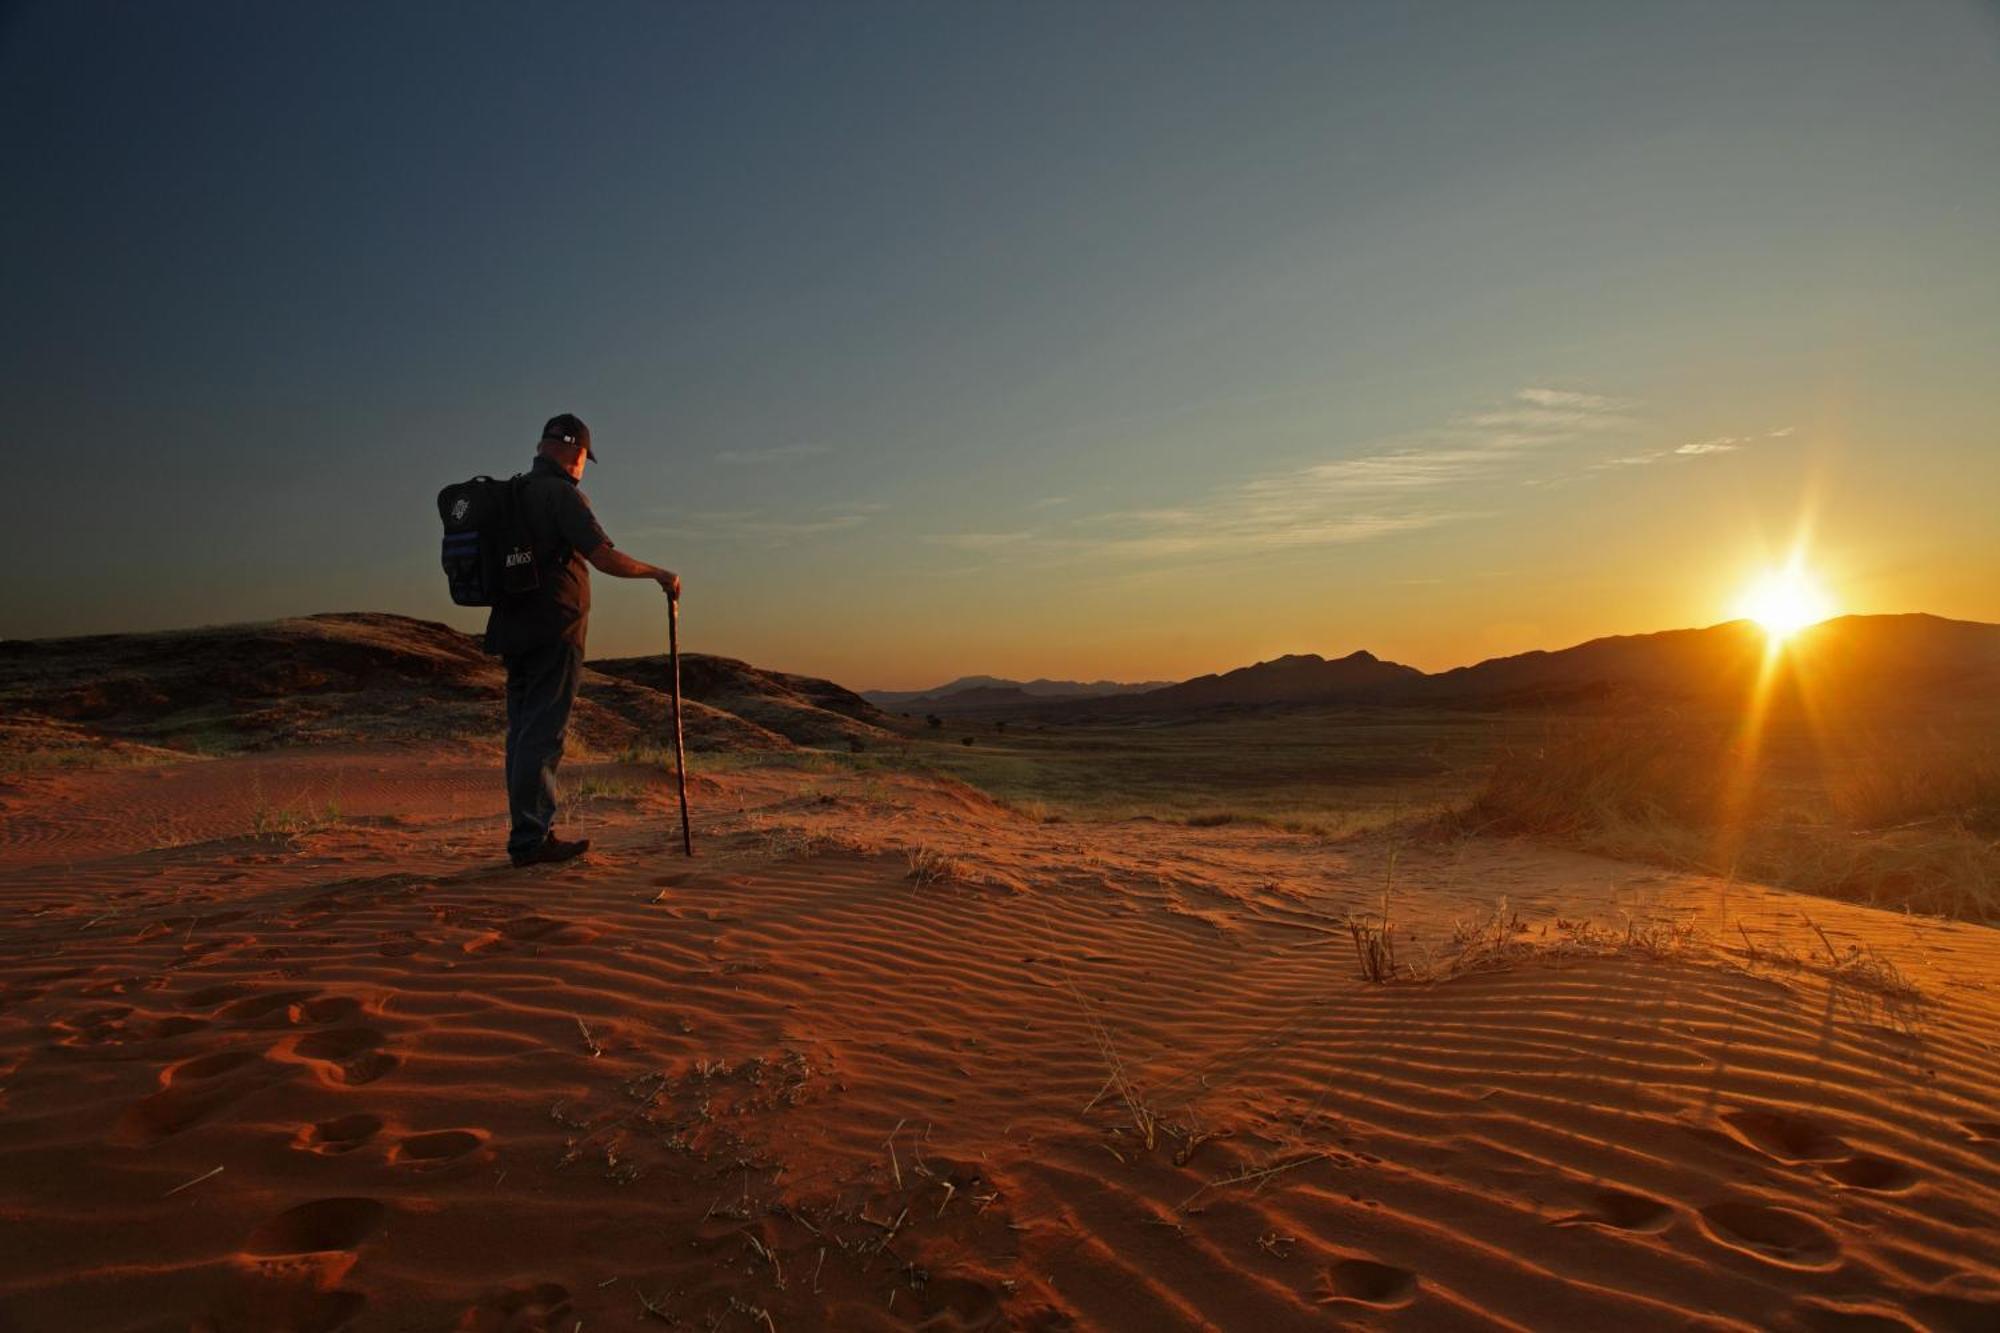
(1145, 1123)
(1039, 812)
(593, 787)
(168, 832)
(1375, 941)
(1374, 949)
(928, 866)
(283, 823)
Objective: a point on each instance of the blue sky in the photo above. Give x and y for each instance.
(1099, 340)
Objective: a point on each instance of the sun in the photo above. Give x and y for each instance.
(1785, 601)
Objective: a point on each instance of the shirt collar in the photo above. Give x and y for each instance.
(548, 466)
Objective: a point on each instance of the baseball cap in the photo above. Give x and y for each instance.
(569, 428)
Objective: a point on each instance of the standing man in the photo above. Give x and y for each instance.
(539, 634)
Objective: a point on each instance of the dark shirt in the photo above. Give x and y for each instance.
(565, 533)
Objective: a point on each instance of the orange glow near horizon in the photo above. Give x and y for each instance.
(1785, 600)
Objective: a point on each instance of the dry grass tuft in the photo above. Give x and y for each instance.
(929, 866)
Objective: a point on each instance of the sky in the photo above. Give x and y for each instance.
(1079, 340)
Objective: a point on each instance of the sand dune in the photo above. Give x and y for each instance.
(888, 1055)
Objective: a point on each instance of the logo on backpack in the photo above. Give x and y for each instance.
(489, 553)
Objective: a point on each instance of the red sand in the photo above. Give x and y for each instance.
(367, 1077)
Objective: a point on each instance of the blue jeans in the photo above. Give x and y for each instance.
(541, 686)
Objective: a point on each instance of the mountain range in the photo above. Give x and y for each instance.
(996, 689)
(1850, 657)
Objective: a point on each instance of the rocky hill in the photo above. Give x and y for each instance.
(361, 677)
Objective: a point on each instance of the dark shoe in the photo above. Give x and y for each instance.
(554, 849)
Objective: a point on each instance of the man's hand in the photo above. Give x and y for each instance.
(610, 560)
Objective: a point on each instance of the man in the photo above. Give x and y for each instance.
(539, 634)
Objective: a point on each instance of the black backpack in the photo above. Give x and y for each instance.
(489, 554)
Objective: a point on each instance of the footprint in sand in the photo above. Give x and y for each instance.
(1775, 1235)
(541, 1308)
(438, 1148)
(314, 1245)
(190, 1092)
(322, 1225)
(258, 1008)
(344, 1134)
(101, 1025)
(1864, 1172)
(962, 1303)
(210, 996)
(168, 1112)
(213, 1065)
(173, 1025)
(330, 1009)
(526, 932)
(1365, 1282)
(1786, 1138)
(350, 1056)
(1617, 1210)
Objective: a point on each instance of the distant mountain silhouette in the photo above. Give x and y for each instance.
(1885, 658)
(1294, 678)
(1841, 659)
(995, 691)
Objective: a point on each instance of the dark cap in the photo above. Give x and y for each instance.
(569, 428)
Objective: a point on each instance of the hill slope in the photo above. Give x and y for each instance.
(365, 676)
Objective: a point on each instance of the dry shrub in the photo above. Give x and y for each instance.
(1374, 949)
(930, 866)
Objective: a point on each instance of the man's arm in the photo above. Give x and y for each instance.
(610, 560)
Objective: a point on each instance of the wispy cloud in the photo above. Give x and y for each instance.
(979, 541)
(1568, 400)
(1722, 444)
(1049, 502)
(1400, 485)
(782, 453)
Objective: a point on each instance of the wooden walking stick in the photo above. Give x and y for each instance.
(680, 746)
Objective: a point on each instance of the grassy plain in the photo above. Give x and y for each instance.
(1327, 772)
(1898, 808)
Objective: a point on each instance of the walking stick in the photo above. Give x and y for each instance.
(680, 746)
